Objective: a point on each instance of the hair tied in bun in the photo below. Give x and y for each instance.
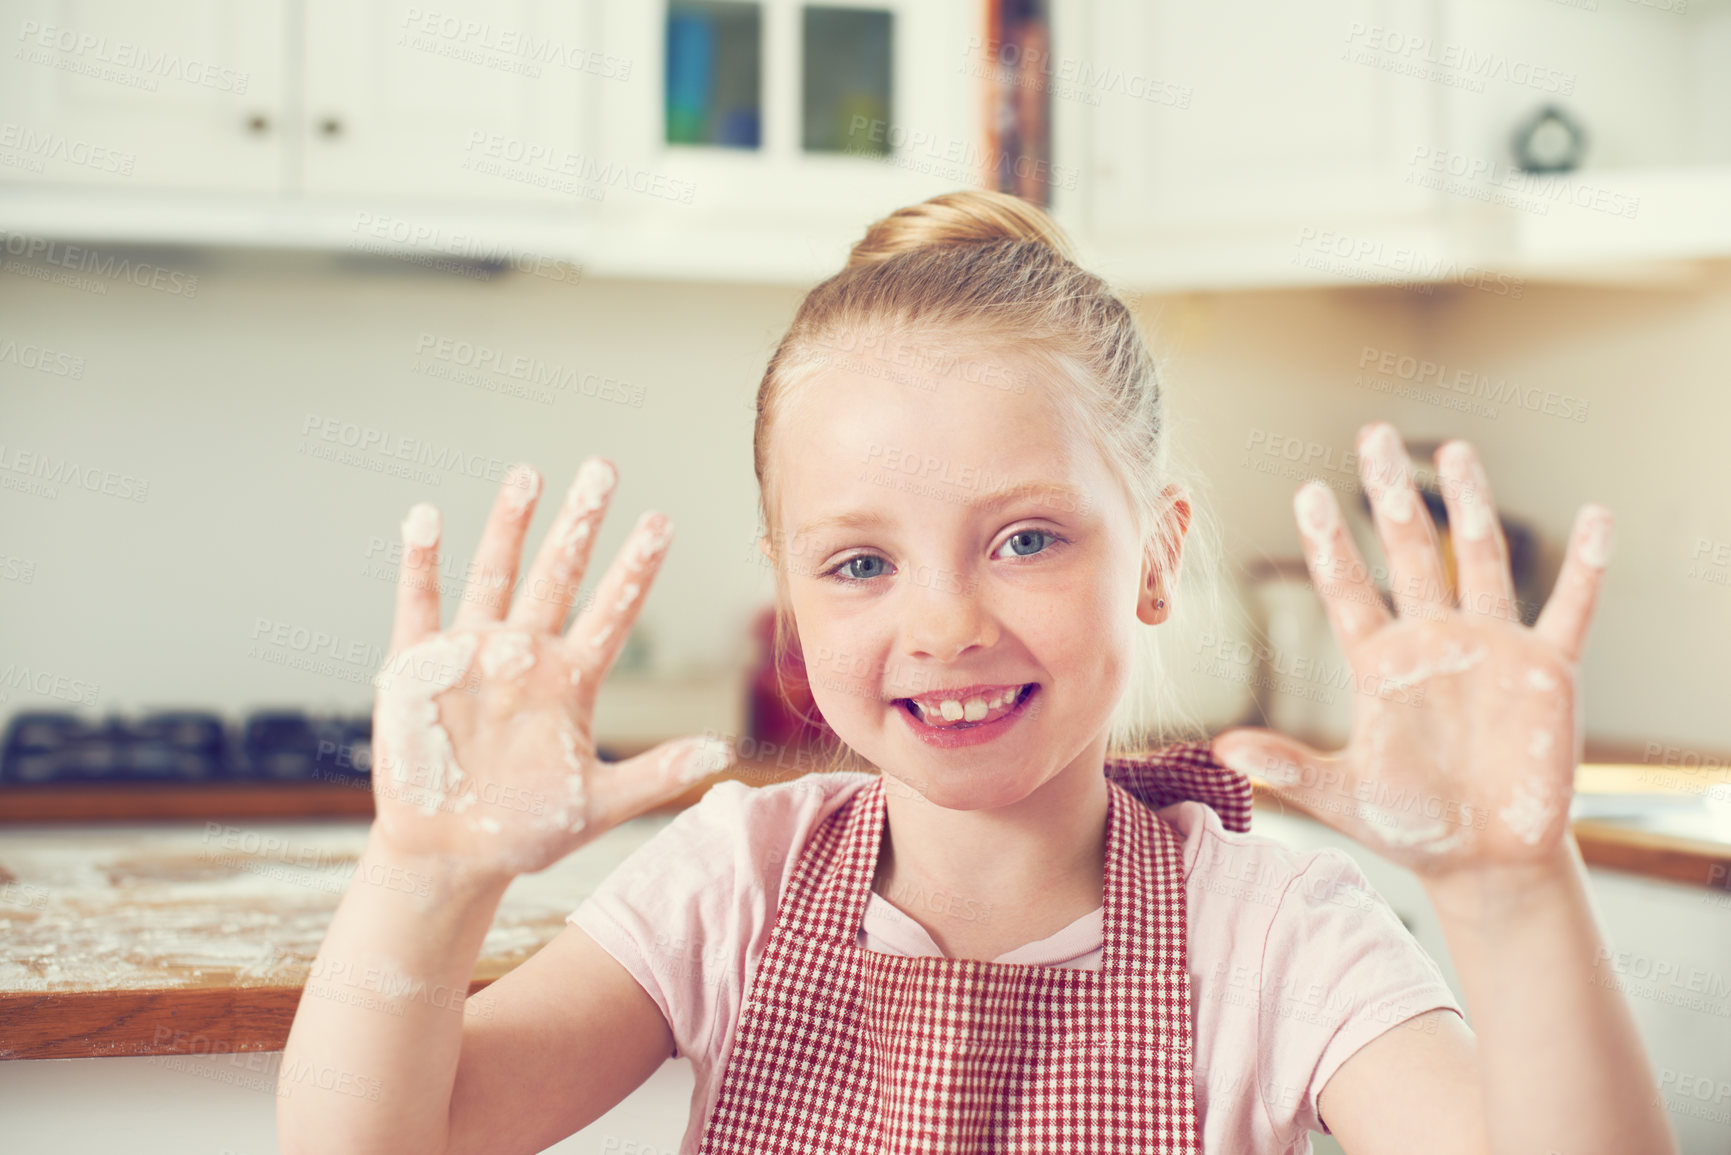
(969, 217)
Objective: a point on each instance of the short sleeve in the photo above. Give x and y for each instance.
(690, 911)
(1338, 970)
(653, 912)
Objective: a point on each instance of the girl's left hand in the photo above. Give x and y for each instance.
(1465, 735)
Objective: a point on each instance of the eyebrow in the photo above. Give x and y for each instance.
(1063, 495)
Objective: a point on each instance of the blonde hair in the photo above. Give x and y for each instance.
(988, 271)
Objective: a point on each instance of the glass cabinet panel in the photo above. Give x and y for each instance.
(715, 73)
(847, 58)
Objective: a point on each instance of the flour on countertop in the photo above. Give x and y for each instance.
(193, 905)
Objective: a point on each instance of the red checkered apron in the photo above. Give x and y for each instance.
(841, 1049)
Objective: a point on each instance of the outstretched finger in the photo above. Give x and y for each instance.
(550, 589)
(1288, 768)
(626, 789)
(488, 590)
(1487, 589)
(600, 630)
(1564, 620)
(417, 578)
(1409, 541)
(1337, 571)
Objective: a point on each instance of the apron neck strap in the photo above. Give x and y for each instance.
(1143, 880)
(1185, 772)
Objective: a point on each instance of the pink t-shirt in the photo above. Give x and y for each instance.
(1295, 962)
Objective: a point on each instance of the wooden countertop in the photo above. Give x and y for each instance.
(194, 937)
(153, 939)
(1643, 819)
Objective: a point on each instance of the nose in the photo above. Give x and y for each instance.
(943, 623)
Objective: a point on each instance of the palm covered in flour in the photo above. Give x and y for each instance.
(1465, 735)
(483, 743)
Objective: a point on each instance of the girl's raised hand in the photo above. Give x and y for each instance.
(483, 743)
(1465, 735)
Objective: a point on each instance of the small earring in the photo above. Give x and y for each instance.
(1159, 603)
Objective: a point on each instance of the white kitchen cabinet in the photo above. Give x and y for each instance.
(1370, 141)
(454, 119)
(1649, 81)
(780, 207)
(930, 126)
(468, 101)
(380, 104)
(1261, 143)
(132, 99)
(1343, 142)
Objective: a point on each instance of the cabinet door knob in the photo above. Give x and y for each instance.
(330, 126)
(258, 124)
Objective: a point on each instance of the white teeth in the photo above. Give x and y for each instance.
(973, 710)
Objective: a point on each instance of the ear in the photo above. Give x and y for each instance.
(1153, 604)
(1178, 509)
(763, 547)
(1161, 559)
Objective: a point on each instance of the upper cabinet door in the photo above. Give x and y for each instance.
(1592, 133)
(1260, 114)
(466, 100)
(780, 114)
(120, 94)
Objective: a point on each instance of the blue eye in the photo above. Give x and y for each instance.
(854, 574)
(842, 572)
(1028, 533)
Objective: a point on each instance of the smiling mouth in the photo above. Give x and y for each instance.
(962, 714)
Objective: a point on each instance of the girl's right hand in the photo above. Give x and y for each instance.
(483, 740)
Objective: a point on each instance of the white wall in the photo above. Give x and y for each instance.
(1650, 364)
(157, 603)
(207, 398)
(1654, 364)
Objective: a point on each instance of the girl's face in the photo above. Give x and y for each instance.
(945, 534)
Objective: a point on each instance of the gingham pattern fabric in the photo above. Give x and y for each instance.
(1186, 771)
(844, 1050)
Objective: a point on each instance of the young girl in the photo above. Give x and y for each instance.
(1027, 933)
